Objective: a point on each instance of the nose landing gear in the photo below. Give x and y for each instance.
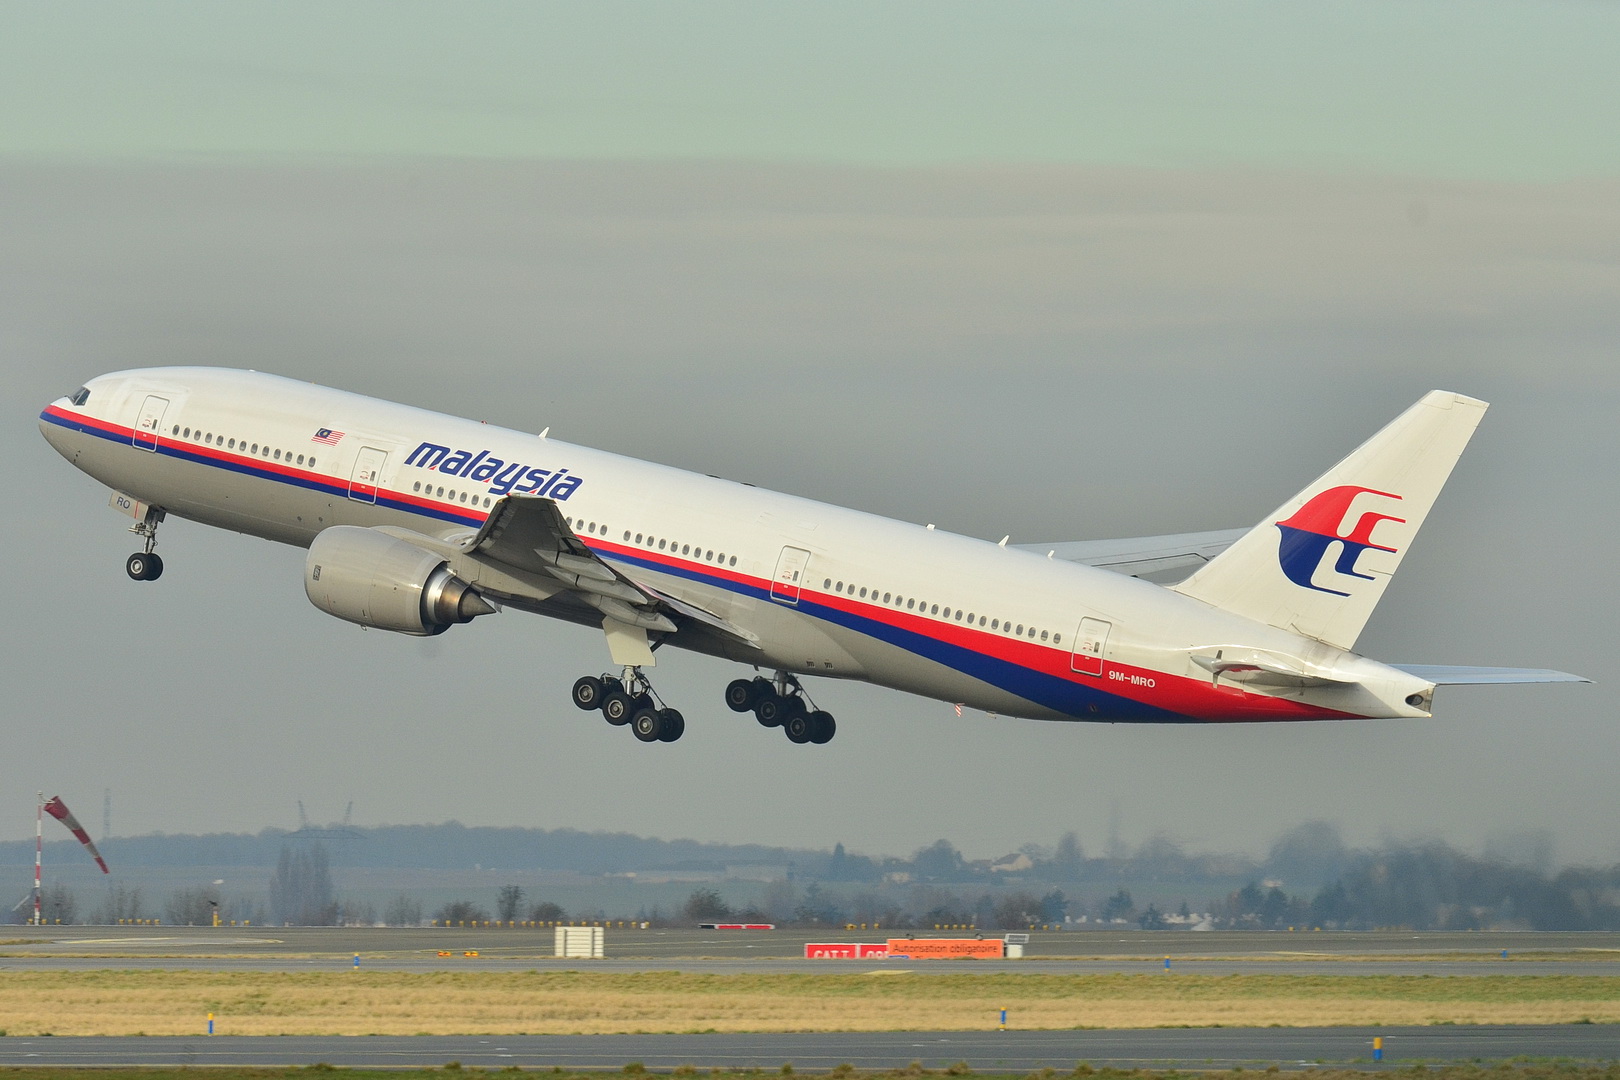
(630, 700)
(146, 565)
(782, 703)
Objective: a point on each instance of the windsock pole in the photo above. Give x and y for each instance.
(39, 852)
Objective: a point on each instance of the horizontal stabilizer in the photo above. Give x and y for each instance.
(1141, 556)
(1444, 675)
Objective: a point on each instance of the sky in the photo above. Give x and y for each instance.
(1056, 270)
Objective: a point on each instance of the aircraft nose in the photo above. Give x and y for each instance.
(53, 432)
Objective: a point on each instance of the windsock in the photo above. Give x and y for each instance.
(58, 810)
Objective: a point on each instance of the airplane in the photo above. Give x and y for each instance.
(416, 521)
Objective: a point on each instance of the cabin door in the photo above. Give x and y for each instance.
(368, 469)
(789, 577)
(1089, 645)
(150, 422)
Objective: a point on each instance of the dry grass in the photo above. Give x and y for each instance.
(364, 1003)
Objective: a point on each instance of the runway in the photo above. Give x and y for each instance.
(420, 949)
(983, 1051)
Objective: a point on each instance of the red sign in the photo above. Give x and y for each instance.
(845, 950)
(947, 948)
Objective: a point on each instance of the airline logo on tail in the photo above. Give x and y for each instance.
(1307, 535)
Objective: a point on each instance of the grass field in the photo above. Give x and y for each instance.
(504, 1003)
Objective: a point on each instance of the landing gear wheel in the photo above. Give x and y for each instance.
(797, 727)
(648, 725)
(617, 708)
(143, 566)
(589, 692)
(822, 728)
(771, 710)
(674, 725)
(741, 695)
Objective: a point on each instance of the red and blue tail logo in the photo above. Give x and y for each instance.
(1307, 535)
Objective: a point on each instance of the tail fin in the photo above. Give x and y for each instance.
(1319, 565)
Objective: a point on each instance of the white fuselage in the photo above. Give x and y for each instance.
(913, 608)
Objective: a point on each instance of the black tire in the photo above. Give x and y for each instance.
(618, 707)
(740, 695)
(143, 566)
(797, 727)
(647, 724)
(822, 728)
(674, 726)
(770, 710)
(589, 692)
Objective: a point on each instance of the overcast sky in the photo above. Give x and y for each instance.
(1064, 271)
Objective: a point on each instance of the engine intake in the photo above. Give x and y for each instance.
(368, 577)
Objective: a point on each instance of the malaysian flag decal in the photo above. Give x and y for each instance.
(327, 436)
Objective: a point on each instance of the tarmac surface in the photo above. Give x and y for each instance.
(983, 1051)
(419, 949)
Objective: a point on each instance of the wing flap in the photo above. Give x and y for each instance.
(532, 534)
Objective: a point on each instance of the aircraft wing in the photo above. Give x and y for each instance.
(1172, 555)
(532, 534)
(1444, 675)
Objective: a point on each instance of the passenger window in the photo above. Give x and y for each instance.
(838, 587)
(885, 598)
(995, 624)
(278, 455)
(312, 463)
(255, 449)
(947, 613)
(1043, 635)
(686, 549)
(912, 603)
(486, 504)
(733, 561)
(709, 555)
(1057, 639)
(1020, 629)
(660, 545)
(177, 429)
(935, 611)
(981, 620)
(441, 493)
(301, 460)
(638, 537)
(463, 496)
(187, 434)
(827, 584)
(232, 444)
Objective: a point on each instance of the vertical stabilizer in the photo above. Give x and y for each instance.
(1319, 564)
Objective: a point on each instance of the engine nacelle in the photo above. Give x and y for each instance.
(368, 577)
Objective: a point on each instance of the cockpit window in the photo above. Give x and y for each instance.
(80, 396)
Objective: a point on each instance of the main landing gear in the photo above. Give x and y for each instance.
(782, 703)
(146, 565)
(629, 700)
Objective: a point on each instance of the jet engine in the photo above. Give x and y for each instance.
(368, 577)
